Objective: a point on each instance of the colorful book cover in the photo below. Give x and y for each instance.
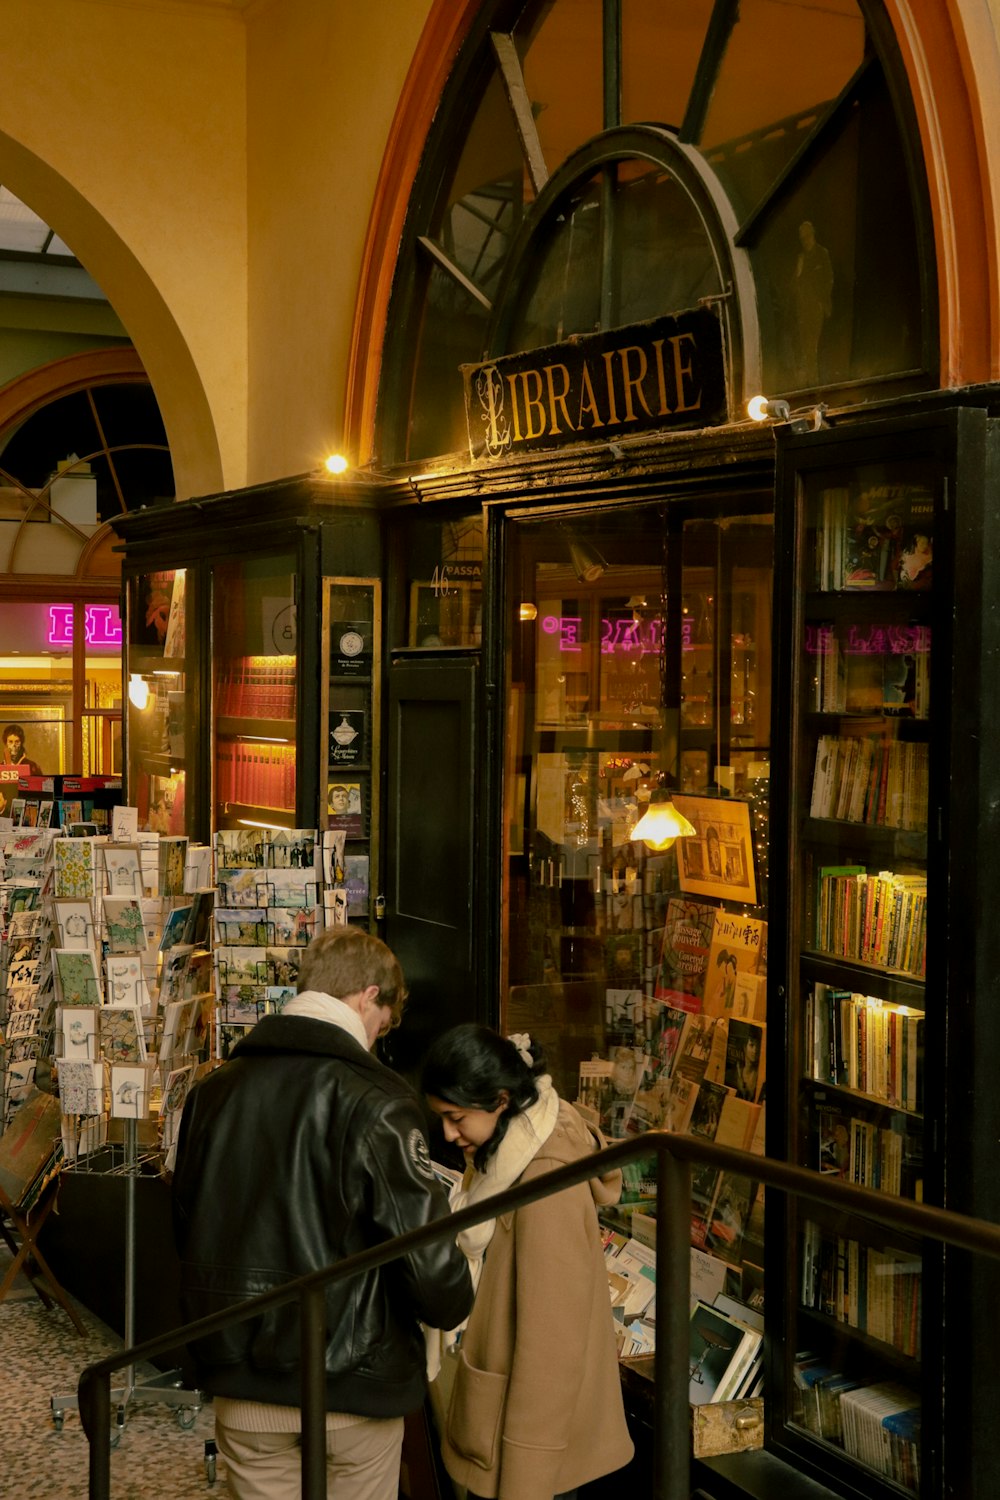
(746, 1045)
(687, 937)
(889, 538)
(347, 737)
(737, 947)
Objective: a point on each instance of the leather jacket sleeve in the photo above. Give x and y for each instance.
(405, 1196)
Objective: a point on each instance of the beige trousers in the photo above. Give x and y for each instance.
(362, 1461)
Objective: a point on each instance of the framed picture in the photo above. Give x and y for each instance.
(718, 860)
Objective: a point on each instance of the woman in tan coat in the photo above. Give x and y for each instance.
(536, 1407)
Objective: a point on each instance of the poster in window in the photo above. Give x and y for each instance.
(718, 860)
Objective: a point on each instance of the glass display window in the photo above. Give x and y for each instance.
(254, 692)
(160, 606)
(60, 707)
(639, 661)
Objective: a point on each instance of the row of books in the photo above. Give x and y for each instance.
(880, 673)
(875, 1291)
(64, 812)
(255, 773)
(880, 920)
(261, 687)
(865, 1043)
(870, 779)
(878, 1424)
(887, 1158)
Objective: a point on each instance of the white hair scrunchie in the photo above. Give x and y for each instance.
(522, 1041)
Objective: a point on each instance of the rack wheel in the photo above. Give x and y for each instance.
(186, 1417)
(211, 1452)
(58, 1418)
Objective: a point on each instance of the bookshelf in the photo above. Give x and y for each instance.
(255, 668)
(866, 953)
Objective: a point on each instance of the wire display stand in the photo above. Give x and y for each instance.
(168, 1388)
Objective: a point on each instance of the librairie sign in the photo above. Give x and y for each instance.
(667, 373)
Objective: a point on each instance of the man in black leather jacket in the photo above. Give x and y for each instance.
(300, 1150)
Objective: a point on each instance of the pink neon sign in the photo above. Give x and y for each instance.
(617, 636)
(875, 640)
(102, 625)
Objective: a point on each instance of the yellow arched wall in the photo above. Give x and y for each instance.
(213, 163)
(324, 81)
(124, 126)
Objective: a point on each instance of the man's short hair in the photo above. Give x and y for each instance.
(343, 960)
(14, 729)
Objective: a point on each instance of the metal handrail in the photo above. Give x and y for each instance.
(674, 1155)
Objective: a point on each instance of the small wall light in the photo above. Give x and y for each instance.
(804, 419)
(759, 408)
(527, 611)
(336, 464)
(138, 691)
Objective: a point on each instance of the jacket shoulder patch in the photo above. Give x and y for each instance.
(419, 1155)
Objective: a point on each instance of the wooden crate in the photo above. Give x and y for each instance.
(716, 1427)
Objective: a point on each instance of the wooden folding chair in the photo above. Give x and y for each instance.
(29, 1178)
(20, 1229)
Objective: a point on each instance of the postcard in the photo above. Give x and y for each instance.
(124, 924)
(75, 924)
(79, 1033)
(81, 1086)
(293, 849)
(130, 1091)
(77, 977)
(122, 1039)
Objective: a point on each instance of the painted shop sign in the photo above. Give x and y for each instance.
(667, 373)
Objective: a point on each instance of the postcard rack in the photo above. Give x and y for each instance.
(168, 1388)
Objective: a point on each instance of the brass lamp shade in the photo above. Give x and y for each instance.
(661, 823)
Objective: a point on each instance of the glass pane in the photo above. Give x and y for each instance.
(562, 61)
(661, 44)
(783, 64)
(453, 333)
(36, 690)
(444, 582)
(159, 692)
(255, 655)
(563, 294)
(861, 922)
(485, 200)
(838, 291)
(602, 701)
(103, 693)
(664, 257)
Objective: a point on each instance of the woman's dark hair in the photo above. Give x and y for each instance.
(471, 1066)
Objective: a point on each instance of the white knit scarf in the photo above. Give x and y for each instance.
(526, 1133)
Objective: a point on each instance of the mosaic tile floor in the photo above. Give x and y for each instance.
(41, 1356)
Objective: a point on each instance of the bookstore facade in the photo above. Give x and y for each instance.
(685, 609)
(569, 586)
